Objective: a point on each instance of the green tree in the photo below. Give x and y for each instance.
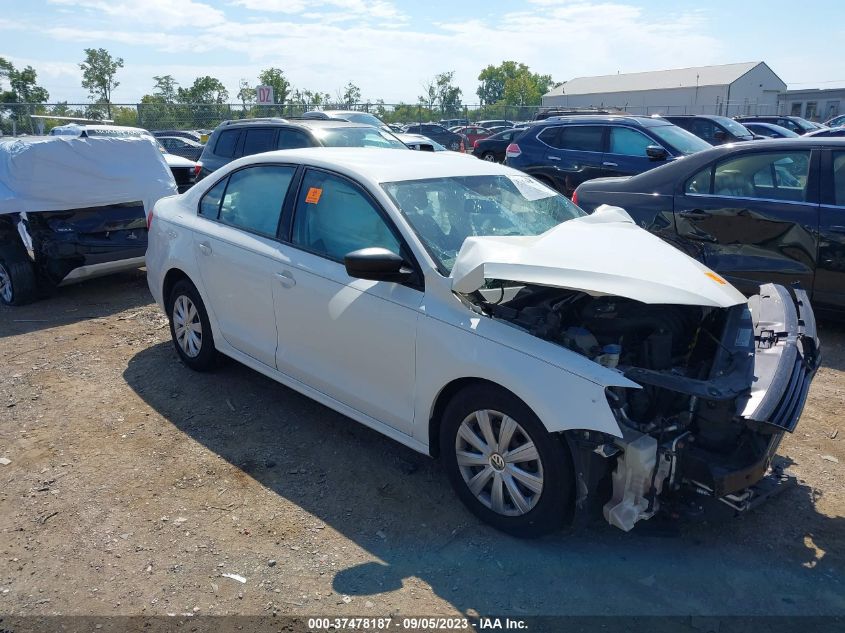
(448, 95)
(351, 95)
(275, 77)
(23, 88)
(511, 83)
(165, 87)
(246, 93)
(99, 70)
(204, 90)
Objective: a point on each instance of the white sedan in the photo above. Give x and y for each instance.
(468, 311)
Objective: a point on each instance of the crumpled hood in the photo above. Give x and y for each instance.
(605, 253)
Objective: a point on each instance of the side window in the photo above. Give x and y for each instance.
(291, 139)
(333, 218)
(259, 140)
(700, 183)
(210, 203)
(704, 129)
(839, 179)
(226, 143)
(628, 142)
(774, 176)
(254, 198)
(550, 136)
(583, 138)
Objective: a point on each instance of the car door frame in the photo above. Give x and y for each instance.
(559, 176)
(831, 238)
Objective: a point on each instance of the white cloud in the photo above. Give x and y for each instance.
(377, 9)
(166, 14)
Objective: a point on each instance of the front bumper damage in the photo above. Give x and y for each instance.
(756, 402)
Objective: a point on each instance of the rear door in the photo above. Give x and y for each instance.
(754, 217)
(572, 153)
(256, 140)
(626, 152)
(829, 288)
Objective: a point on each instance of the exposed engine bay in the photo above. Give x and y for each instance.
(720, 386)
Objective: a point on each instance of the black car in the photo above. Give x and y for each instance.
(448, 139)
(180, 146)
(794, 123)
(493, 147)
(188, 134)
(716, 130)
(244, 137)
(563, 152)
(772, 211)
(769, 130)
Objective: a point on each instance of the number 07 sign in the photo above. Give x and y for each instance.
(264, 95)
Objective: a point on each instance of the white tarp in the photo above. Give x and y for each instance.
(57, 173)
(605, 253)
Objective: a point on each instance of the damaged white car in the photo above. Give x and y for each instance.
(559, 364)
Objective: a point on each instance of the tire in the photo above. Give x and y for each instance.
(490, 157)
(533, 511)
(190, 328)
(18, 283)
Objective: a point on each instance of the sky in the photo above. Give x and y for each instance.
(390, 48)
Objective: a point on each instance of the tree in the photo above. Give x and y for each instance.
(511, 83)
(205, 89)
(275, 77)
(351, 95)
(22, 89)
(98, 75)
(448, 95)
(429, 96)
(165, 87)
(246, 93)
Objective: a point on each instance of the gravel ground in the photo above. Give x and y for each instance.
(135, 485)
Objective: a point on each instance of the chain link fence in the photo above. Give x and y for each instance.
(27, 118)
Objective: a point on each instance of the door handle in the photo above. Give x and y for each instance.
(553, 157)
(695, 214)
(837, 229)
(205, 248)
(609, 164)
(286, 279)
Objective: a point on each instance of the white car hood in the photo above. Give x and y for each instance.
(605, 253)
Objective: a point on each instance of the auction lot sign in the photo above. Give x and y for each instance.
(264, 95)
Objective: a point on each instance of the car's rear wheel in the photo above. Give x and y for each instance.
(18, 283)
(190, 328)
(503, 464)
(490, 157)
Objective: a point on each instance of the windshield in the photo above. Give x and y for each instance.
(679, 139)
(357, 137)
(737, 129)
(446, 211)
(362, 117)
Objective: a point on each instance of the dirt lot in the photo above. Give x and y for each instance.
(135, 484)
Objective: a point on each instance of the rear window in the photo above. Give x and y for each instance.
(259, 140)
(226, 143)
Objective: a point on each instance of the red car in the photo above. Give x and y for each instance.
(473, 133)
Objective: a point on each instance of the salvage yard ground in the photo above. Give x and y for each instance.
(134, 485)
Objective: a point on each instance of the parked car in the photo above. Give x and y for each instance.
(451, 140)
(795, 123)
(495, 129)
(837, 121)
(73, 209)
(191, 135)
(716, 130)
(753, 212)
(447, 123)
(420, 143)
(184, 147)
(244, 137)
(472, 133)
(184, 170)
(493, 147)
(769, 130)
(563, 152)
(353, 116)
(490, 123)
(468, 311)
(826, 132)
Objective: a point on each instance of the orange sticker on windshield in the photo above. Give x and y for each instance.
(313, 196)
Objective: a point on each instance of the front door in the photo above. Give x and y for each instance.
(351, 339)
(626, 152)
(829, 289)
(754, 217)
(237, 251)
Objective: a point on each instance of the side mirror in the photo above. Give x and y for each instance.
(655, 152)
(377, 264)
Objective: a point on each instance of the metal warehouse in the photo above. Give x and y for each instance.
(727, 89)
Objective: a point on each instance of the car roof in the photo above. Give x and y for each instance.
(278, 121)
(373, 166)
(603, 118)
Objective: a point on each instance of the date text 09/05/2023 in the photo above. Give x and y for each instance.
(415, 624)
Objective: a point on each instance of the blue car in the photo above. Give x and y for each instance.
(563, 152)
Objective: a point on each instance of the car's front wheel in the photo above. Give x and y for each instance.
(190, 328)
(489, 157)
(503, 464)
(18, 284)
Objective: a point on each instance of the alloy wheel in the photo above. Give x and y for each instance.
(187, 326)
(5, 284)
(499, 462)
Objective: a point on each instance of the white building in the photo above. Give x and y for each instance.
(729, 89)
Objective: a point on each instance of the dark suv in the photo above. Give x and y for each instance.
(234, 139)
(794, 123)
(716, 130)
(566, 151)
(435, 132)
